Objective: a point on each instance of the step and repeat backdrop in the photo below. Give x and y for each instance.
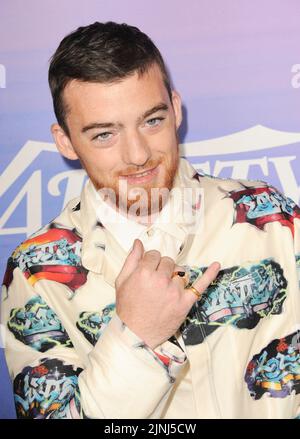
(235, 63)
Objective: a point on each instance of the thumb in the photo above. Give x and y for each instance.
(132, 260)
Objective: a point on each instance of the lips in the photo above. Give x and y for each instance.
(141, 177)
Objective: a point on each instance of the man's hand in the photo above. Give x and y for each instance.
(149, 301)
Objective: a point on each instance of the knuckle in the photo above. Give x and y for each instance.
(153, 254)
(144, 270)
(167, 259)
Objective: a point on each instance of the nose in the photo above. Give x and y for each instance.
(135, 150)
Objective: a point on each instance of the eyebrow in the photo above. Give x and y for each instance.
(159, 107)
(95, 125)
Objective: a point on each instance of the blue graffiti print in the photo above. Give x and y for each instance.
(267, 203)
(262, 205)
(38, 326)
(92, 324)
(49, 390)
(240, 296)
(276, 369)
(53, 255)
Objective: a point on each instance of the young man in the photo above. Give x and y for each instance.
(117, 309)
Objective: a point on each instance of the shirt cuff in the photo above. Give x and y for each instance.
(170, 356)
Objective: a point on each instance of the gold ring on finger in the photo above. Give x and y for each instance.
(195, 291)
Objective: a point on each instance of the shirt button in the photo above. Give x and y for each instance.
(150, 232)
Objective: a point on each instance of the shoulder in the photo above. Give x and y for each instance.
(241, 190)
(259, 203)
(50, 253)
(249, 201)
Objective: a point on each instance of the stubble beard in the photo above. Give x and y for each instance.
(149, 199)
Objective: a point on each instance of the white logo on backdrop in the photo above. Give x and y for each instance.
(257, 138)
(2, 76)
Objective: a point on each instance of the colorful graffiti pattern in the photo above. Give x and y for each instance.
(276, 369)
(239, 296)
(92, 324)
(53, 255)
(262, 205)
(38, 326)
(49, 390)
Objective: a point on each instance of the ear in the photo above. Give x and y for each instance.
(176, 101)
(63, 142)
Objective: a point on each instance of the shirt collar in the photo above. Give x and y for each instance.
(175, 219)
(102, 236)
(122, 228)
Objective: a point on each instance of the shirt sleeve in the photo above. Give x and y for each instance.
(297, 258)
(121, 377)
(297, 247)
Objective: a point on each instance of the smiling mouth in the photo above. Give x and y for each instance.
(141, 177)
(140, 174)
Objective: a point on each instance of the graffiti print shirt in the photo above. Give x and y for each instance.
(235, 356)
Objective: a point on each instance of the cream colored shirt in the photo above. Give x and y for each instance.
(236, 355)
(166, 233)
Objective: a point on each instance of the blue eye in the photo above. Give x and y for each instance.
(102, 137)
(154, 121)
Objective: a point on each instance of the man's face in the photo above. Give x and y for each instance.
(123, 132)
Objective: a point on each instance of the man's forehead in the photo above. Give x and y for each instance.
(153, 73)
(144, 90)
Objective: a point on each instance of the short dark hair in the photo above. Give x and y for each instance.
(101, 52)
